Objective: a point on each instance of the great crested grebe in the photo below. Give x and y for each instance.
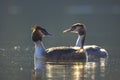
(54, 53)
(92, 50)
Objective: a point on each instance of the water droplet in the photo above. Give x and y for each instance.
(21, 68)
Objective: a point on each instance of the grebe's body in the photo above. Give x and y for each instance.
(66, 53)
(54, 53)
(92, 50)
(95, 51)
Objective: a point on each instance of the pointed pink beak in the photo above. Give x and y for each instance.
(67, 30)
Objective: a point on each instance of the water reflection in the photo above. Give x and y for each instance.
(71, 70)
(95, 70)
(65, 71)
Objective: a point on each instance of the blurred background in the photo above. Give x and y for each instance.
(101, 17)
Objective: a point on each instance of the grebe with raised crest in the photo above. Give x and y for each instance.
(54, 53)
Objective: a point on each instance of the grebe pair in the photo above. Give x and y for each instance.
(78, 52)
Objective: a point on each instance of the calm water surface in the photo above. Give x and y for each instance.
(17, 64)
(71, 71)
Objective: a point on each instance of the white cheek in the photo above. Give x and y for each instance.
(41, 33)
(76, 30)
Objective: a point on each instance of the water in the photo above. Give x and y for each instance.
(71, 71)
(17, 64)
(17, 18)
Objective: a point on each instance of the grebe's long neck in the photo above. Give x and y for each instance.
(39, 54)
(39, 49)
(80, 41)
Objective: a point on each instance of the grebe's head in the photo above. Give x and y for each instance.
(38, 33)
(78, 28)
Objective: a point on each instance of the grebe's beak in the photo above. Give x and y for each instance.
(67, 30)
(48, 34)
(45, 33)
